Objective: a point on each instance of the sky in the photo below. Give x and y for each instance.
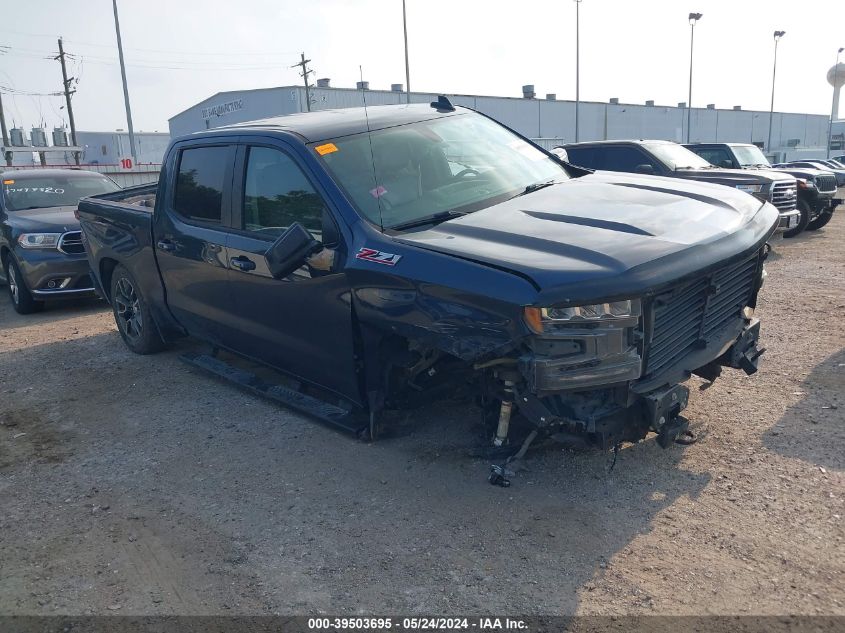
(179, 52)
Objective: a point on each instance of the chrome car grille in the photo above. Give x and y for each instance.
(686, 317)
(785, 195)
(826, 183)
(71, 243)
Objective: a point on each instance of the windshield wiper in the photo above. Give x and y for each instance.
(434, 218)
(536, 186)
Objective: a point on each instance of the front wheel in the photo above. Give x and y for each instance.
(22, 299)
(820, 221)
(804, 208)
(132, 314)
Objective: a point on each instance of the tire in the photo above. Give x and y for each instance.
(804, 208)
(22, 299)
(820, 221)
(132, 314)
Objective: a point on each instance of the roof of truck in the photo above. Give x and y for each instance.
(328, 124)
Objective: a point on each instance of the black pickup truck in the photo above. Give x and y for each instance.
(664, 158)
(817, 185)
(380, 258)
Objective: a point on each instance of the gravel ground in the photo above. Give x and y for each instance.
(135, 485)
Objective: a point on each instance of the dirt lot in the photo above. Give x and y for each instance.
(136, 485)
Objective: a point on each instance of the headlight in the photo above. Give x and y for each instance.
(804, 183)
(750, 188)
(541, 320)
(39, 240)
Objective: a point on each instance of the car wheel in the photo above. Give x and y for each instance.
(21, 297)
(132, 314)
(820, 221)
(804, 208)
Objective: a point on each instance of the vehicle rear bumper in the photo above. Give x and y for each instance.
(55, 275)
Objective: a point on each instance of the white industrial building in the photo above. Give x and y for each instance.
(548, 119)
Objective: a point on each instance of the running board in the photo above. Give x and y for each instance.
(337, 416)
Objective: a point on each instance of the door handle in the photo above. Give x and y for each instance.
(166, 245)
(242, 263)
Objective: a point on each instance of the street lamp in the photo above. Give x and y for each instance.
(777, 36)
(577, 63)
(693, 18)
(833, 105)
(407, 68)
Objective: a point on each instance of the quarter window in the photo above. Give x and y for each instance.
(277, 194)
(199, 183)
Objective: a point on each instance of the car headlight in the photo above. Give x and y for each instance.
(750, 188)
(39, 240)
(804, 183)
(542, 320)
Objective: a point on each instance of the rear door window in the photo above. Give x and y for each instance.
(582, 156)
(200, 180)
(714, 155)
(622, 159)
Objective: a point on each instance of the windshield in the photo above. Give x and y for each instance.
(750, 155)
(52, 191)
(455, 164)
(677, 156)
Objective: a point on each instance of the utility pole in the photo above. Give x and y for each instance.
(693, 18)
(68, 92)
(777, 36)
(577, 64)
(7, 155)
(125, 88)
(407, 68)
(305, 72)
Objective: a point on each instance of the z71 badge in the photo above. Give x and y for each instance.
(379, 257)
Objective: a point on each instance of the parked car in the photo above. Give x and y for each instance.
(816, 188)
(664, 158)
(41, 252)
(820, 165)
(382, 257)
(816, 197)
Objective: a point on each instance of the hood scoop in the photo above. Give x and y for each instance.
(592, 222)
(687, 194)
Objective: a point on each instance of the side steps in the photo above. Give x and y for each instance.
(335, 415)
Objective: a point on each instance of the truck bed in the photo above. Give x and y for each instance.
(118, 229)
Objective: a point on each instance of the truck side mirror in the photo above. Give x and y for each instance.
(726, 163)
(290, 250)
(645, 168)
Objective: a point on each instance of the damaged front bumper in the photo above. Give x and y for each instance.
(620, 410)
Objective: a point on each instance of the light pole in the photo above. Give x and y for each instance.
(777, 36)
(577, 64)
(125, 88)
(407, 68)
(833, 105)
(693, 18)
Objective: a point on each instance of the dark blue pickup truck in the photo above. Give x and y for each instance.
(381, 258)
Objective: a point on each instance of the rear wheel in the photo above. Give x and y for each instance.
(804, 208)
(820, 221)
(132, 314)
(22, 299)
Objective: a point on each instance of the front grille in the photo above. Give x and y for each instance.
(701, 310)
(826, 183)
(71, 243)
(785, 195)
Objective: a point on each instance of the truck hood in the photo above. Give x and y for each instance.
(733, 177)
(803, 172)
(607, 235)
(46, 220)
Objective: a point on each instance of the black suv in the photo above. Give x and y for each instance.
(664, 158)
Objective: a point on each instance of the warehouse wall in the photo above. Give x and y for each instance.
(535, 118)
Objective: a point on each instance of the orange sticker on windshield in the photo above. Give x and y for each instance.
(8, 182)
(327, 148)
